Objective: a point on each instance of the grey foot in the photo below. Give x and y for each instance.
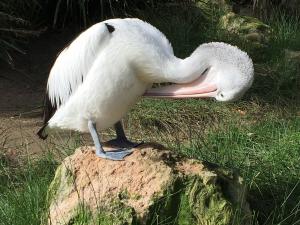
(116, 155)
(122, 143)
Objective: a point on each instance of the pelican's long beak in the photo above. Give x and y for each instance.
(196, 89)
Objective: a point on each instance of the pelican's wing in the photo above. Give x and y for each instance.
(72, 66)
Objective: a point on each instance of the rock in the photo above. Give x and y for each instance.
(249, 28)
(151, 186)
(209, 7)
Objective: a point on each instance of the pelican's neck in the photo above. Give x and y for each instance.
(186, 70)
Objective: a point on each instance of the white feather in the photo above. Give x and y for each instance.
(74, 62)
(102, 74)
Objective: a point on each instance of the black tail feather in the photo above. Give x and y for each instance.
(42, 133)
(49, 110)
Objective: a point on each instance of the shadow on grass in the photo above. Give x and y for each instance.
(277, 203)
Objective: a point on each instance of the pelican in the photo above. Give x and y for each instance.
(107, 68)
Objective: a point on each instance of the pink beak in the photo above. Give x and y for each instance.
(196, 89)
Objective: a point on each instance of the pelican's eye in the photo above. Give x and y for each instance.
(222, 95)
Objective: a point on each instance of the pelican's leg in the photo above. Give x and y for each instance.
(113, 155)
(121, 140)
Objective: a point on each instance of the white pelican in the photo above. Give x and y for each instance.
(107, 68)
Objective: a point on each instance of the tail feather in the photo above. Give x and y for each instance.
(42, 132)
(49, 110)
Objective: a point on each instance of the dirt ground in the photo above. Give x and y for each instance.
(21, 93)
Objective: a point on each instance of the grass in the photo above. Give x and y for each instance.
(260, 140)
(23, 190)
(266, 153)
(259, 136)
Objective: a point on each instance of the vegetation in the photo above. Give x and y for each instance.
(16, 19)
(23, 190)
(20, 20)
(259, 136)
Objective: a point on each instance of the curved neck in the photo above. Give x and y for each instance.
(186, 70)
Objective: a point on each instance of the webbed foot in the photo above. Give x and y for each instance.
(116, 155)
(123, 143)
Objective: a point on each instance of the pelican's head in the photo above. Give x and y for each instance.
(227, 76)
(231, 81)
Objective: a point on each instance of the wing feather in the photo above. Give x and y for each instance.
(72, 66)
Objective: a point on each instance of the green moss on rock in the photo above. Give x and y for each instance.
(114, 214)
(190, 201)
(207, 203)
(63, 178)
(249, 28)
(207, 7)
(192, 192)
(246, 27)
(58, 188)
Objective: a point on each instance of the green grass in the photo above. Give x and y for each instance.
(261, 141)
(267, 156)
(259, 136)
(23, 190)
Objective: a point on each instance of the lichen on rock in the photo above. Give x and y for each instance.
(207, 6)
(245, 27)
(151, 186)
(249, 28)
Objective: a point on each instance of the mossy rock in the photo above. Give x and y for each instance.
(248, 28)
(151, 186)
(210, 7)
